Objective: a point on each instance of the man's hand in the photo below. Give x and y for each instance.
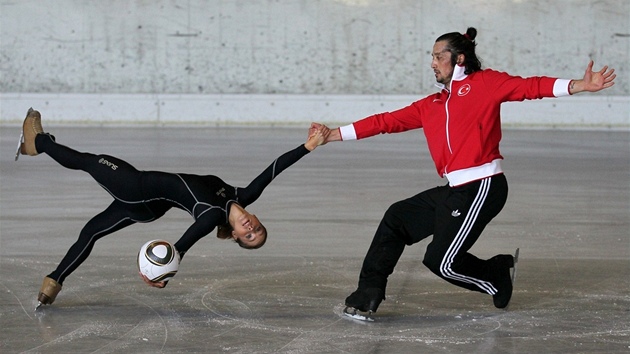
(317, 135)
(593, 81)
(313, 128)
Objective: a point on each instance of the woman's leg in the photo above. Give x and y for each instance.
(112, 219)
(116, 176)
(116, 217)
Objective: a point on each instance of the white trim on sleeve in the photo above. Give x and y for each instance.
(561, 87)
(347, 132)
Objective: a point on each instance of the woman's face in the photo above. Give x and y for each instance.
(249, 231)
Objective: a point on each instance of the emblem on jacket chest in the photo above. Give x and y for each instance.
(463, 91)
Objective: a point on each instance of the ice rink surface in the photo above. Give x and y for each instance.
(568, 211)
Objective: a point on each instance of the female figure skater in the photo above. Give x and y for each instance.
(145, 196)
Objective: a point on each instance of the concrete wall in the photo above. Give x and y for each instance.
(289, 61)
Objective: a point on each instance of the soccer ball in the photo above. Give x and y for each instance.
(158, 260)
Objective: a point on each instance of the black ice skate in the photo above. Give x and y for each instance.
(504, 282)
(362, 303)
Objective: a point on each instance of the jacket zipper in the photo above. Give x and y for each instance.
(448, 117)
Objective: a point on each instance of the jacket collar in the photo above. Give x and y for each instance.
(458, 75)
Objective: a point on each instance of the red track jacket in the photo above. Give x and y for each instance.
(462, 123)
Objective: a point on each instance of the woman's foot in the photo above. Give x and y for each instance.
(48, 292)
(30, 128)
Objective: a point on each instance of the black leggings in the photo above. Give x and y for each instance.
(117, 177)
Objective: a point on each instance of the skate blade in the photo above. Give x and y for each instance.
(39, 304)
(355, 314)
(17, 152)
(515, 263)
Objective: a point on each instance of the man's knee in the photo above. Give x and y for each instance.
(393, 216)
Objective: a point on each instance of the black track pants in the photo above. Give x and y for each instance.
(455, 217)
